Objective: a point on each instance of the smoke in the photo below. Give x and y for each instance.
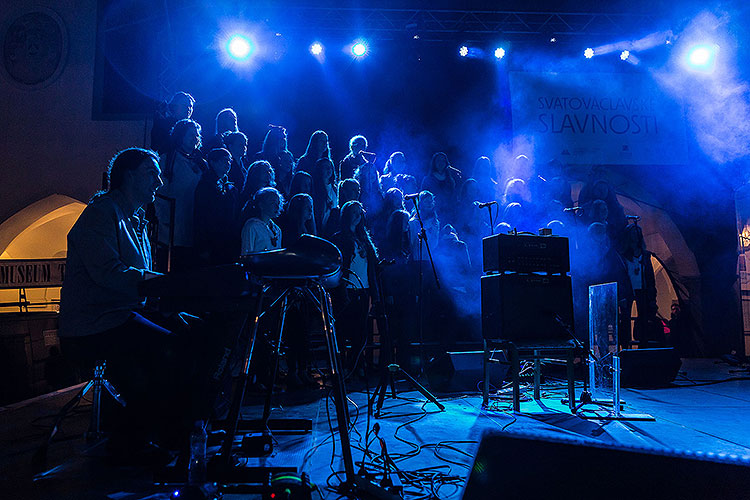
(717, 103)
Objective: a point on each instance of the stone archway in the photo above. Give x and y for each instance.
(38, 231)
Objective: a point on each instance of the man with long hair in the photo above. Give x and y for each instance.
(103, 317)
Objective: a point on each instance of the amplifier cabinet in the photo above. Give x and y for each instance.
(523, 307)
(525, 254)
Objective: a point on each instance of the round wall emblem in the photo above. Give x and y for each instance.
(34, 48)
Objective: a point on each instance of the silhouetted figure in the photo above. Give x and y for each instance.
(226, 123)
(594, 262)
(369, 184)
(484, 174)
(352, 297)
(275, 152)
(647, 330)
(454, 257)
(103, 316)
(679, 331)
(325, 193)
(393, 170)
(302, 182)
(297, 219)
(599, 189)
(392, 201)
(182, 168)
(397, 242)
(236, 144)
(348, 191)
(427, 211)
(407, 184)
(472, 222)
(180, 107)
(443, 182)
(351, 162)
(260, 175)
(261, 233)
(516, 191)
(317, 148)
(216, 238)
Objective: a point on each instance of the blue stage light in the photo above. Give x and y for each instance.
(463, 51)
(316, 48)
(499, 53)
(588, 53)
(701, 57)
(359, 49)
(239, 47)
(624, 55)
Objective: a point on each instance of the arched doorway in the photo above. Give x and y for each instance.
(39, 231)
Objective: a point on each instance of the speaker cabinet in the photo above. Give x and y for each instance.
(525, 466)
(523, 307)
(648, 367)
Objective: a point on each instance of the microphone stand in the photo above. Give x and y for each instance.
(423, 240)
(488, 206)
(389, 368)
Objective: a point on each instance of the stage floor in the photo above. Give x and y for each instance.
(703, 411)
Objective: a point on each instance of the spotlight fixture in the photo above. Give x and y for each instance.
(463, 51)
(499, 53)
(701, 57)
(316, 49)
(359, 49)
(239, 47)
(624, 55)
(588, 53)
(552, 40)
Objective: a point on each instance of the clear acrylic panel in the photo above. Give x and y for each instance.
(602, 338)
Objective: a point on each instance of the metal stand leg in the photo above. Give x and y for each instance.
(486, 375)
(225, 457)
(339, 391)
(515, 364)
(571, 382)
(94, 433)
(277, 356)
(537, 375)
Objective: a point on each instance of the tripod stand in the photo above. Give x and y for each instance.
(388, 369)
(98, 384)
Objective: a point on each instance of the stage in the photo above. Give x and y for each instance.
(703, 411)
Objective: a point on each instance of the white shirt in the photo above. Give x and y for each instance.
(635, 273)
(359, 266)
(182, 188)
(257, 236)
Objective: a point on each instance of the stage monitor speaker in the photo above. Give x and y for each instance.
(523, 307)
(462, 371)
(648, 367)
(509, 465)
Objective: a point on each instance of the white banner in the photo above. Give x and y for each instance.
(31, 273)
(612, 118)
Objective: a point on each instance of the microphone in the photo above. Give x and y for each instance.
(368, 154)
(633, 217)
(414, 196)
(485, 204)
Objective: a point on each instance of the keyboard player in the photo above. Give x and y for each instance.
(102, 316)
